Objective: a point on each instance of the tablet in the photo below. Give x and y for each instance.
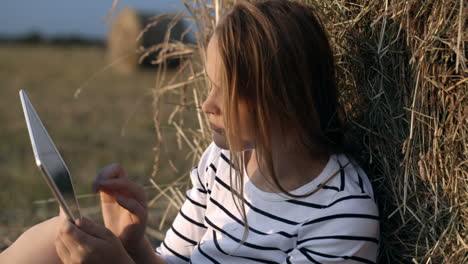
(49, 161)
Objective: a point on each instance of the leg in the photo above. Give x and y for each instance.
(36, 245)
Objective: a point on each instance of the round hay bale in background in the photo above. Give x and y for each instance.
(124, 46)
(122, 41)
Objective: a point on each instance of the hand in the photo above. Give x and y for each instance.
(88, 242)
(123, 206)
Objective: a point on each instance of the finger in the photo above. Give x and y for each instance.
(98, 231)
(66, 245)
(62, 213)
(61, 249)
(125, 186)
(73, 237)
(133, 207)
(109, 172)
(73, 251)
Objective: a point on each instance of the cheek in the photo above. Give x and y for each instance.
(246, 124)
(248, 131)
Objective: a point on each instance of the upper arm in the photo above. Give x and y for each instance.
(339, 237)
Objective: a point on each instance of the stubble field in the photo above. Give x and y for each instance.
(110, 121)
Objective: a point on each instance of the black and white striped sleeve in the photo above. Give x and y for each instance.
(339, 236)
(188, 227)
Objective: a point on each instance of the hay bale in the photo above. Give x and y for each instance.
(402, 67)
(122, 41)
(135, 39)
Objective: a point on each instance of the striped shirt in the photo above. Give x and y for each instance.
(337, 224)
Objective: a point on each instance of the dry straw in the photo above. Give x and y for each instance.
(402, 71)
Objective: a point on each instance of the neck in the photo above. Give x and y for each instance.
(294, 166)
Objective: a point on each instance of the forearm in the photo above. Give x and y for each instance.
(146, 254)
(36, 245)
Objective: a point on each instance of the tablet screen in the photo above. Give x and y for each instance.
(49, 160)
(55, 169)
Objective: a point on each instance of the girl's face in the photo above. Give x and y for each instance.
(213, 105)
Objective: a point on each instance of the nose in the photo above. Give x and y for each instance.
(211, 104)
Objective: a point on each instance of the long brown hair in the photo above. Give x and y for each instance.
(277, 59)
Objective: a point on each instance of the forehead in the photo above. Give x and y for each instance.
(213, 65)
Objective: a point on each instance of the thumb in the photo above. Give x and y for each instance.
(62, 212)
(94, 229)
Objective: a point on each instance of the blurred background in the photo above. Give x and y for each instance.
(97, 111)
(85, 18)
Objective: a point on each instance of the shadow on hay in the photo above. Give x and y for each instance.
(374, 103)
(401, 93)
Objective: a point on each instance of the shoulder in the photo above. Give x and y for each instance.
(202, 173)
(348, 217)
(342, 181)
(209, 156)
(347, 179)
(347, 226)
(344, 198)
(352, 191)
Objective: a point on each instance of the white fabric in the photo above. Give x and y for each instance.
(337, 224)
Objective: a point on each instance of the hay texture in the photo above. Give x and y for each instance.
(403, 78)
(403, 72)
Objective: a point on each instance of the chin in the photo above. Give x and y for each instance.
(221, 142)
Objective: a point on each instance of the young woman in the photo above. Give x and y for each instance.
(275, 186)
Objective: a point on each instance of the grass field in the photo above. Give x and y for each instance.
(111, 121)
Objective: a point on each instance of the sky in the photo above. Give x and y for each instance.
(67, 17)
